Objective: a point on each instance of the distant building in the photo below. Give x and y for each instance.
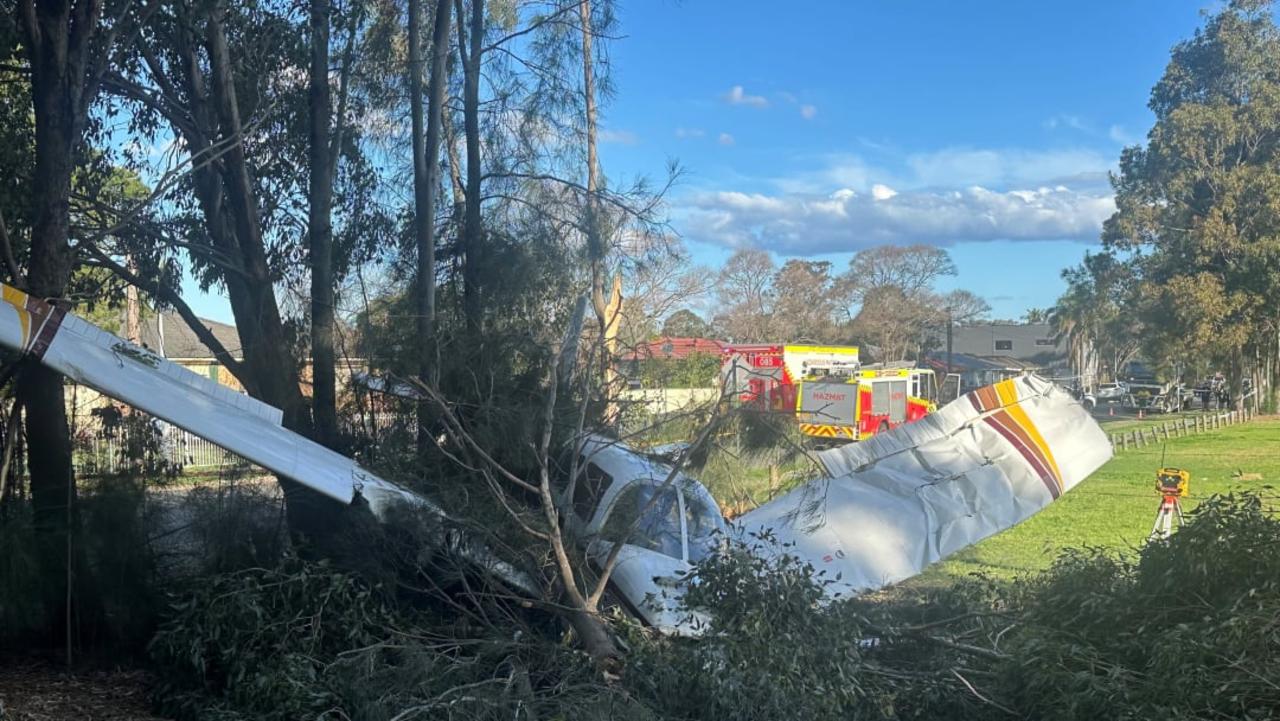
(672, 348)
(984, 353)
(668, 351)
(976, 371)
(1033, 343)
(166, 334)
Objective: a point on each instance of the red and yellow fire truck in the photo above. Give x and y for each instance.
(842, 404)
(764, 376)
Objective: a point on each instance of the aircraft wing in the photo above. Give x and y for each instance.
(893, 504)
(247, 427)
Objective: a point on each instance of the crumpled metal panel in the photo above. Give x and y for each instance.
(901, 500)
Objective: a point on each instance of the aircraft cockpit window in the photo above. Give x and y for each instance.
(701, 523)
(658, 527)
(592, 483)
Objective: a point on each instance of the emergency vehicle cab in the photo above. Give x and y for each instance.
(849, 404)
(765, 376)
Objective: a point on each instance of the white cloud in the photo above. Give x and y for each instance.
(999, 169)
(690, 133)
(1003, 168)
(847, 220)
(738, 96)
(726, 139)
(808, 111)
(882, 192)
(623, 137)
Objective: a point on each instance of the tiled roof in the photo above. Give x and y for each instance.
(674, 348)
(181, 342)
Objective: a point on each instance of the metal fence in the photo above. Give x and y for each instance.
(164, 448)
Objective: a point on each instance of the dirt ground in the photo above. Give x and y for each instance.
(37, 690)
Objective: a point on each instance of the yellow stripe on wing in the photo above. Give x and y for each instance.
(1009, 399)
(18, 300)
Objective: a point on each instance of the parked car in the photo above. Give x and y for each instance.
(1111, 391)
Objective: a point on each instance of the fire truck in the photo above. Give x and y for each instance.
(843, 404)
(764, 376)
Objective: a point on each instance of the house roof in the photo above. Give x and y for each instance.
(178, 341)
(673, 348)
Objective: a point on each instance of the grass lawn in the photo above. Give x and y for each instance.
(1116, 506)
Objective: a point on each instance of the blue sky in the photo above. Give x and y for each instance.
(815, 129)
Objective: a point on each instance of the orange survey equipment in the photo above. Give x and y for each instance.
(840, 405)
(1172, 484)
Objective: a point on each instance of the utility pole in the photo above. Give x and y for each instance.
(949, 323)
(132, 308)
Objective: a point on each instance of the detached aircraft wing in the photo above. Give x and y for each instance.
(901, 500)
(247, 427)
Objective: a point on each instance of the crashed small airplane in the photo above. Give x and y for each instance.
(884, 509)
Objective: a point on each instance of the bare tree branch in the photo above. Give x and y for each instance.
(171, 297)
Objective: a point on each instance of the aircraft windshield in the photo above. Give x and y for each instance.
(658, 525)
(702, 522)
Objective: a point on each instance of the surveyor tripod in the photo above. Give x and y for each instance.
(1170, 507)
(1172, 484)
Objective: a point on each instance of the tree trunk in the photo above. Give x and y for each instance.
(595, 244)
(473, 230)
(320, 233)
(55, 97)
(266, 357)
(426, 152)
(252, 293)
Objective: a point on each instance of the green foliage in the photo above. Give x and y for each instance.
(21, 612)
(775, 651)
(1186, 632)
(260, 640)
(696, 370)
(309, 641)
(1197, 206)
(684, 323)
(115, 541)
(115, 592)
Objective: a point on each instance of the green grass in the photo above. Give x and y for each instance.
(1116, 506)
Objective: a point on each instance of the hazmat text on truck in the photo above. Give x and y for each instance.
(849, 404)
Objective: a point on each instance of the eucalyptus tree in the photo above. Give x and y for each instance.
(68, 46)
(1196, 206)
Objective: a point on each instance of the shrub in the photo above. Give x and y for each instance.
(776, 650)
(308, 641)
(1188, 630)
